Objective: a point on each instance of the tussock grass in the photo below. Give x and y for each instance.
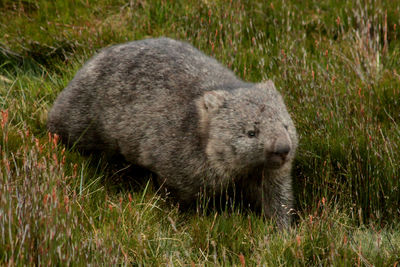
(336, 64)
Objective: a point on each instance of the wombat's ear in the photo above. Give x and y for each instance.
(267, 85)
(208, 104)
(212, 100)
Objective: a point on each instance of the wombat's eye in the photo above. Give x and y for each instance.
(251, 134)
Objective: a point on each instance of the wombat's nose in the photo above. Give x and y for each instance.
(276, 156)
(281, 149)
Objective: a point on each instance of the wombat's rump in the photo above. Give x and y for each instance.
(167, 107)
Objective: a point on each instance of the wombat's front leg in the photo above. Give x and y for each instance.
(277, 197)
(273, 194)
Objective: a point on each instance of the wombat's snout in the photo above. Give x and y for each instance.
(277, 154)
(281, 149)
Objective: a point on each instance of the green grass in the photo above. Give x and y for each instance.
(337, 66)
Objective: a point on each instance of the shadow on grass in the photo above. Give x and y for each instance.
(121, 176)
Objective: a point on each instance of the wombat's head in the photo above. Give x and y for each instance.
(247, 128)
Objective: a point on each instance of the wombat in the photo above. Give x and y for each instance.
(169, 108)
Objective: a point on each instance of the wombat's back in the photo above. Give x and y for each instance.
(148, 85)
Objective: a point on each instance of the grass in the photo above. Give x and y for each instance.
(336, 64)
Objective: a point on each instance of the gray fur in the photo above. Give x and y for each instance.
(167, 107)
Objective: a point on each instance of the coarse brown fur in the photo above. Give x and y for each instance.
(167, 107)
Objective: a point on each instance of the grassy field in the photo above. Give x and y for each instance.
(337, 64)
